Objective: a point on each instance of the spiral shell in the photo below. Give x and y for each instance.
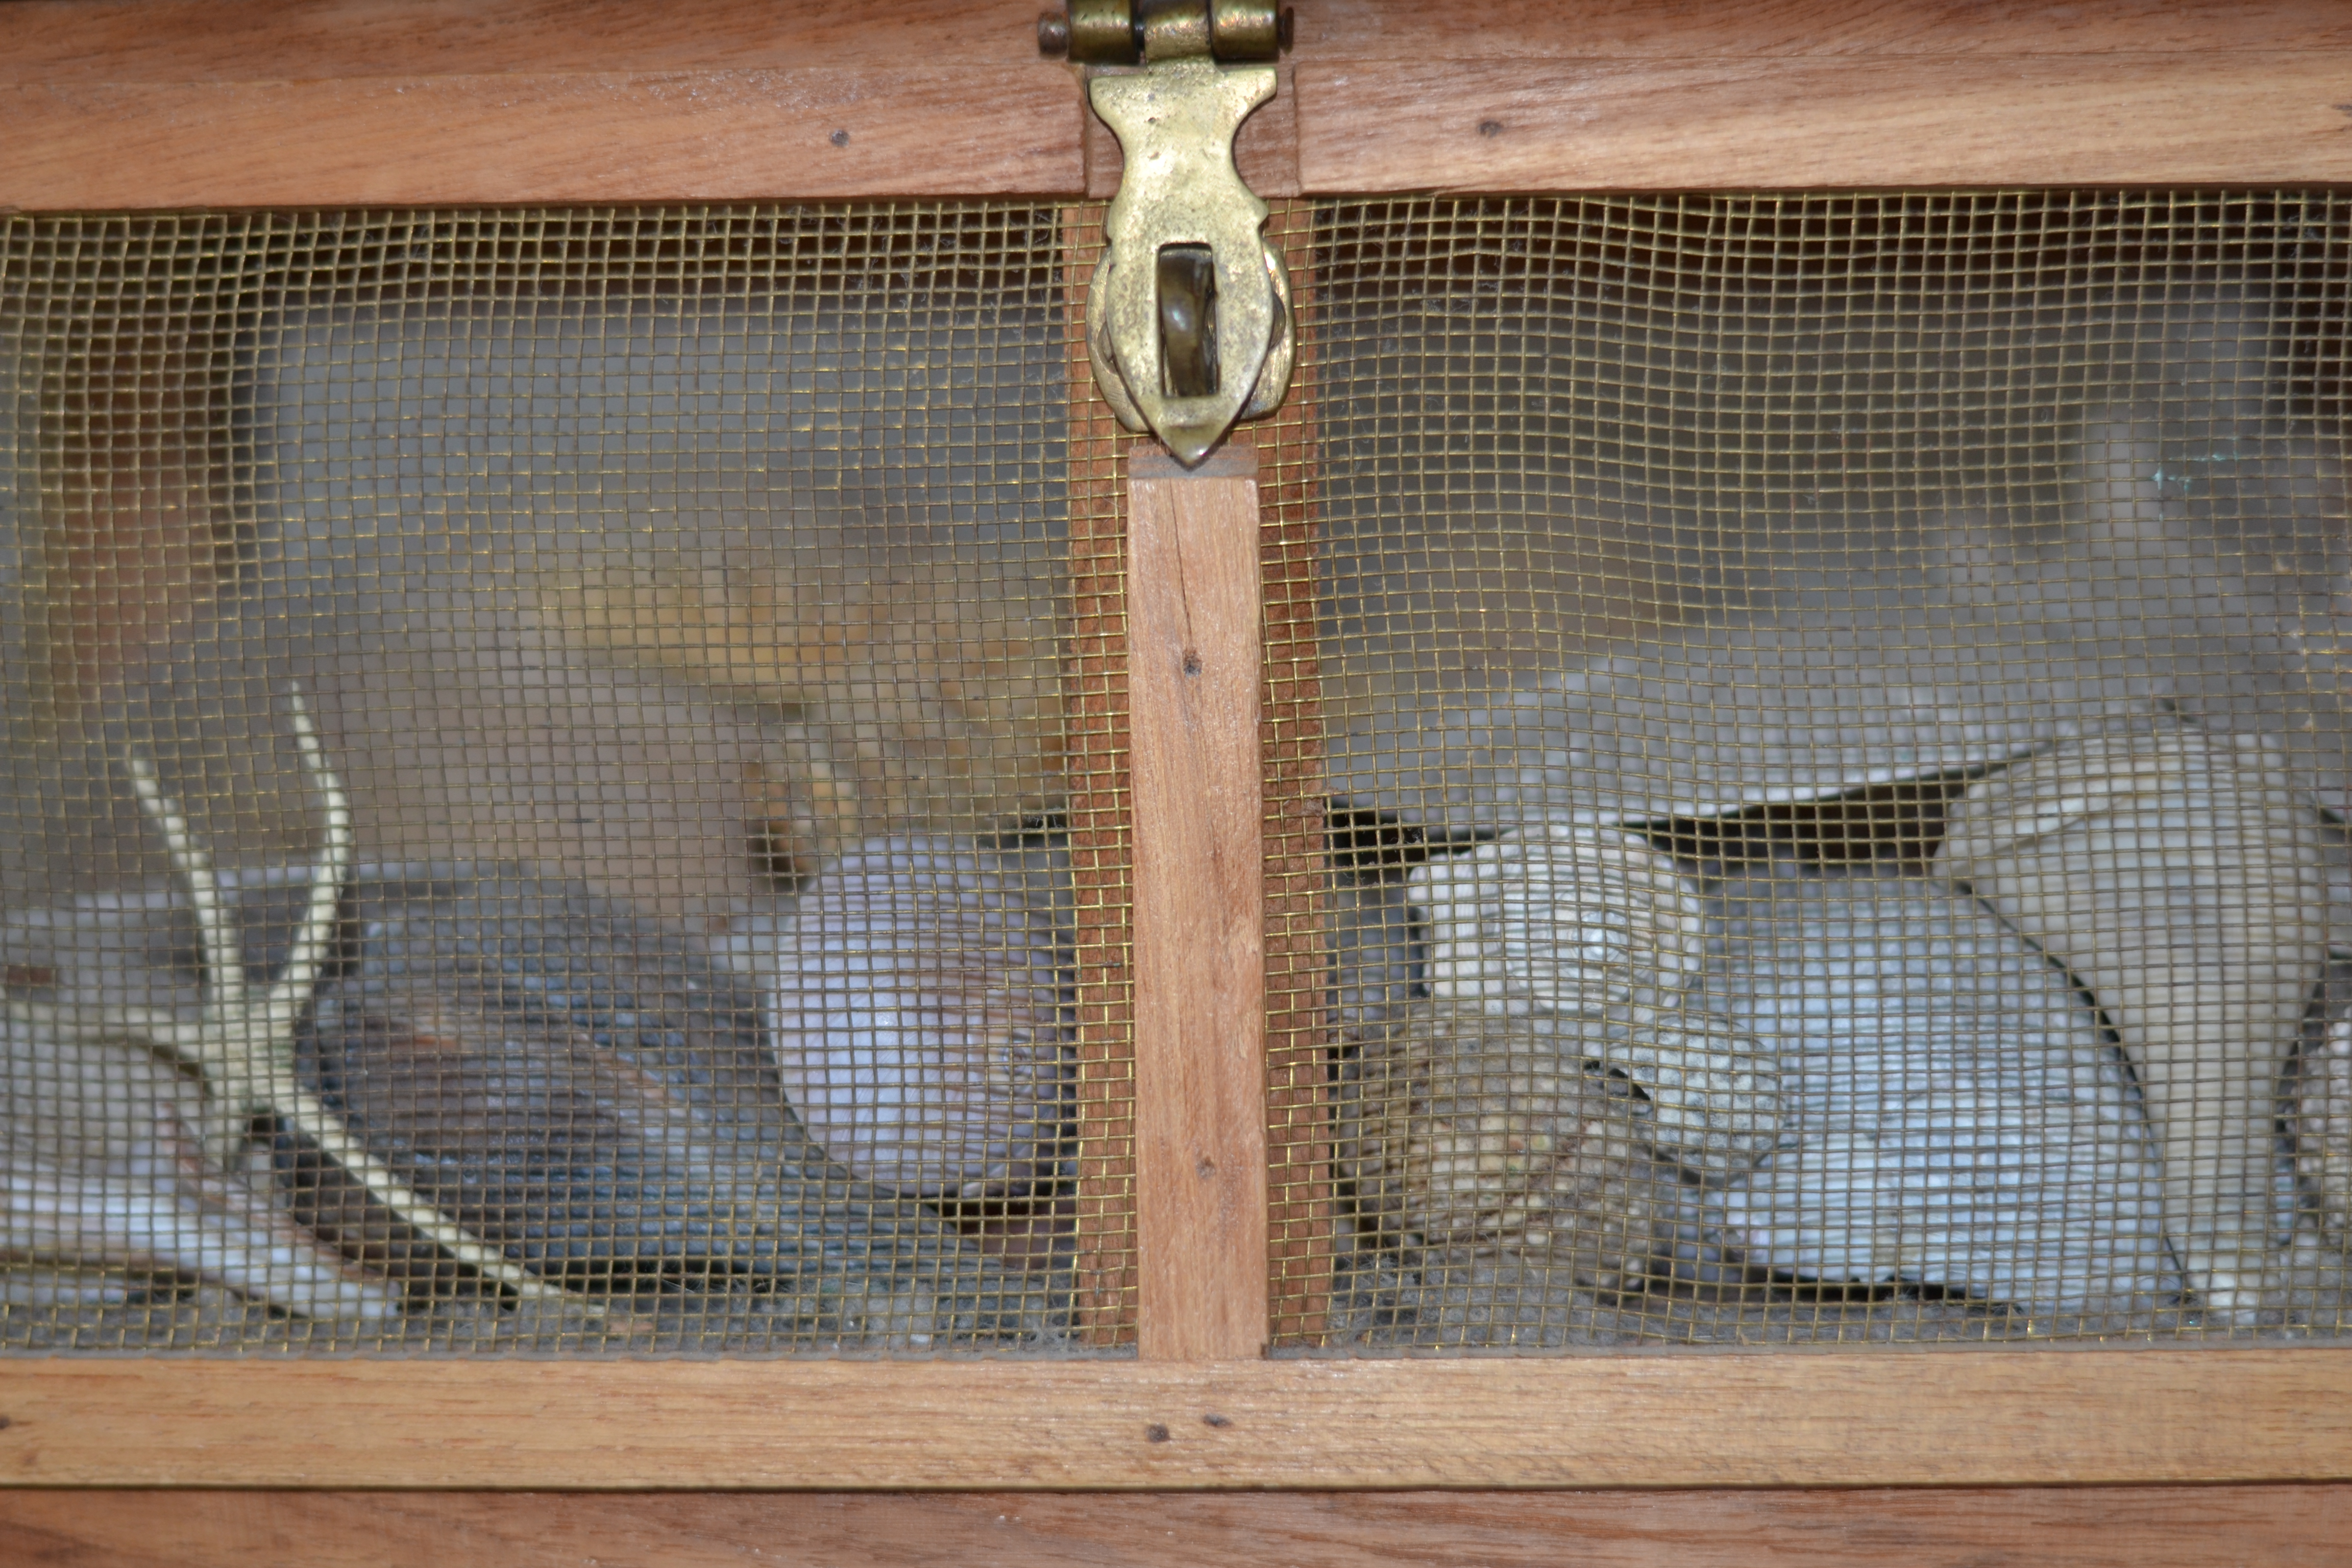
(919, 1015)
(1560, 918)
(1461, 1128)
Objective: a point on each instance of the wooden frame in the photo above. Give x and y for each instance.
(176, 103)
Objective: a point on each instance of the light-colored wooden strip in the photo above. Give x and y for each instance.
(1767, 123)
(1095, 707)
(593, 137)
(1616, 29)
(1193, 669)
(2049, 1527)
(1879, 1417)
(1297, 865)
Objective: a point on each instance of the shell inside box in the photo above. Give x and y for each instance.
(1831, 776)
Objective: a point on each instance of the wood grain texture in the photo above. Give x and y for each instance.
(588, 138)
(174, 103)
(1732, 1418)
(1300, 1038)
(1683, 29)
(1195, 665)
(1095, 705)
(1768, 123)
(2183, 1527)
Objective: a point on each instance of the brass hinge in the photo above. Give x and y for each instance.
(1188, 317)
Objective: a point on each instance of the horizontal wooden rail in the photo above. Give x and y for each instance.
(1878, 1417)
(2045, 1527)
(207, 103)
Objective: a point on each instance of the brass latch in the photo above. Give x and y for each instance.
(1189, 316)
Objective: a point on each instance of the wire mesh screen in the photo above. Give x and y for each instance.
(535, 803)
(1836, 715)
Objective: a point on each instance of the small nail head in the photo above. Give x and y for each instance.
(839, 138)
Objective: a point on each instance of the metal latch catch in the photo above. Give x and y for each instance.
(1188, 317)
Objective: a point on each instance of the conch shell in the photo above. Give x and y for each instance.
(2180, 877)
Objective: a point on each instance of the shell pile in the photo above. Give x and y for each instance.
(1467, 1130)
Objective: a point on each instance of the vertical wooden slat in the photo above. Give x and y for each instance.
(1095, 706)
(1298, 1096)
(1194, 670)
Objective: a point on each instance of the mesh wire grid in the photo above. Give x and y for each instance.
(1709, 589)
(536, 754)
(1835, 706)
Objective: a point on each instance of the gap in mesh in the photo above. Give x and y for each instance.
(680, 597)
(1773, 649)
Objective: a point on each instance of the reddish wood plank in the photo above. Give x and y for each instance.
(1095, 705)
(1681, 29)
(590, 137)
(1194, 666)
(2184, 1527)
(1536, 124)
(1297, 959)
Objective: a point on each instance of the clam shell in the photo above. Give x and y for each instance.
(1559, 917)
(1462, 1129)
(1952, 1112)
(2181, 876)
(919, 1012)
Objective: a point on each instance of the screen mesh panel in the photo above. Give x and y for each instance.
(1838, 758)
(536, 802)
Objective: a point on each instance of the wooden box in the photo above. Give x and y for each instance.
(159, 105)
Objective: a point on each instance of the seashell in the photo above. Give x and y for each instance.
(2180, 877)
(1952, 1112)
(576, 1085)
(1714, 1089)
(1559, 917)
(920, 1012)
(100, 1150)
(1463, 1127)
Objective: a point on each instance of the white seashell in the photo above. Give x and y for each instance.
(1559, 917)
(1952, 1112)
(2180, 877)
(1460, 1128)
(99, 1163)
(919, 1014)
(1715, 1089)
